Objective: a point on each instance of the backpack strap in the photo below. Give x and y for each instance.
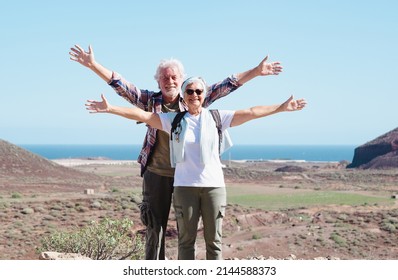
(216, 116)
(176, 125)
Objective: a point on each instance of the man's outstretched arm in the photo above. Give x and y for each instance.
(87, 59)
(262, 69)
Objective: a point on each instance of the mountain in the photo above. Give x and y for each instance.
(380, 153)
(19, 167)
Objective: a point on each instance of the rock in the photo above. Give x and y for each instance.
(88, 191)
(291, 168)
(290, 257)
(380, 153)
(61, 256)
(387, 161)
(27, 210)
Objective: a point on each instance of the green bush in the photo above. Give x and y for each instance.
(339, 240)
(389, 226)
(256, 236)
(16, 195)
(104, 240)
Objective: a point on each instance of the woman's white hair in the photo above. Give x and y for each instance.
(192, 80)
(169, 63)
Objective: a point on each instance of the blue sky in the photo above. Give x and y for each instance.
(339, 55)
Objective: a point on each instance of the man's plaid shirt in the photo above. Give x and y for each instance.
(152, 101)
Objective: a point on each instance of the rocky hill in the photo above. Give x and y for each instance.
(380, 153)
(21, 167)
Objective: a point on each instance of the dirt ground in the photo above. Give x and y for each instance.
(33, 206)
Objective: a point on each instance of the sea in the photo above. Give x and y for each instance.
(323, 153)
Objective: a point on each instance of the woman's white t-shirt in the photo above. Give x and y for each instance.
(191, 172)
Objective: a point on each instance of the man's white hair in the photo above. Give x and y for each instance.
(169, 63)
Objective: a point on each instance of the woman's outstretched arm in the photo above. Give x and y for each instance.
(132, 113)
(290, 105)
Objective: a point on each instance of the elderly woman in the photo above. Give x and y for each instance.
(199, 188)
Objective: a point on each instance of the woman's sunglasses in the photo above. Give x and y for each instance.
(191, 91)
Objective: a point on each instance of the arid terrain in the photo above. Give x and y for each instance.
(38, 196)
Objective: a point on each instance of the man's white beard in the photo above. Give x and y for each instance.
(173, 92)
